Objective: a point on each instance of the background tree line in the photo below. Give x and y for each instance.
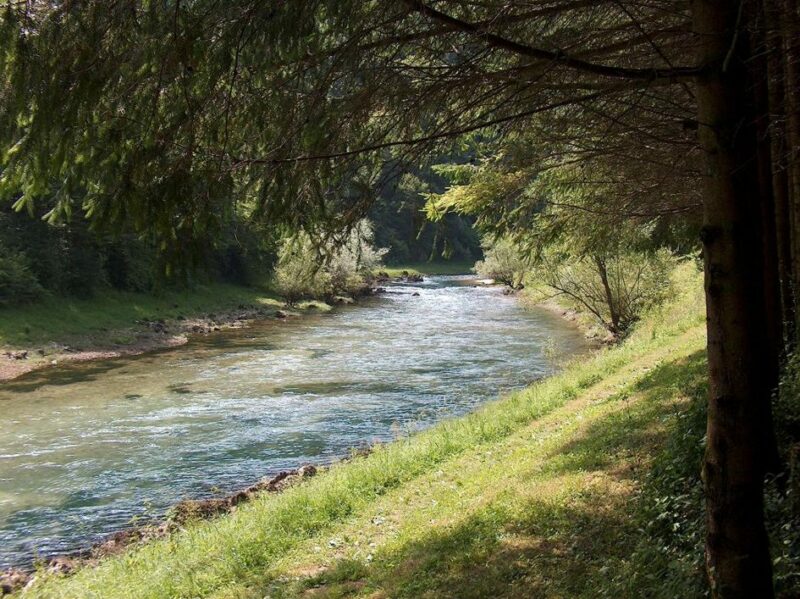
(73, 259)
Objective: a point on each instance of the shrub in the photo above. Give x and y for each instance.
(504, 262)
(616, 287)
(312, 270)
(18, 284)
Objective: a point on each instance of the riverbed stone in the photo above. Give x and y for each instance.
(12, 581)
(61, 565)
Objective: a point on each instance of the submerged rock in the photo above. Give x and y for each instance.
(204, 509)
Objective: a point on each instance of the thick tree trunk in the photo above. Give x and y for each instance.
(774, 332)
(737, 551)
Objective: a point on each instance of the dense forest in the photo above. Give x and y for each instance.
(70, 258)
(580, 150)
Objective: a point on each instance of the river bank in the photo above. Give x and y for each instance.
(544, 492)
(92, 447)
(114, 325)
(186, 512)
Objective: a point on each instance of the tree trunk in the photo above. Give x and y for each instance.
(612, 307)
(791, 85)
(737, 550)
(780, 178)
(767, 200)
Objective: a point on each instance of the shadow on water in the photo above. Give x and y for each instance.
(63, 375)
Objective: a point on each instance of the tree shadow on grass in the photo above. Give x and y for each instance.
(517, 546)
(606, 441)
(538, 549)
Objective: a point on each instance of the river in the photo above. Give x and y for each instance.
(87, 449)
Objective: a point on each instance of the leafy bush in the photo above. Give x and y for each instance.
(307, 269)
(787, 406)
(782, 505)
(504, 262)
(18, 284)
(616, 287)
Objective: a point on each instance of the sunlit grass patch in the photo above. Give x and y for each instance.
(430, 268)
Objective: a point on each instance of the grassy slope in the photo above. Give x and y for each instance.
(533, 495)
(61, 319)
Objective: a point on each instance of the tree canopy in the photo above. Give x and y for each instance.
(163, 114)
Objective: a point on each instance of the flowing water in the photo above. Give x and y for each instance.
(89, 448)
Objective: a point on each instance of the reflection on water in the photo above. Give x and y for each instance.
(87, 448)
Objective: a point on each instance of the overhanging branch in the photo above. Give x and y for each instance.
(672, 74)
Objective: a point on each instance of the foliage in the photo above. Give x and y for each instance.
(308, 269)
(786, 406)
(70, 259)
(553, 227)
(170, 138)
(401, 224)
(504, 262)
(782, 504)
(18, 284)
(617, 288)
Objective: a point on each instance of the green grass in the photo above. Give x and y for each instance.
(532, 495)
(61, 319)
(431, 268)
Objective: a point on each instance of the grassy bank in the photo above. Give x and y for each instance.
(431, 268)
(538, 494)
(62, 319)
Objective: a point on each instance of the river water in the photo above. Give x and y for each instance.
(87, 449)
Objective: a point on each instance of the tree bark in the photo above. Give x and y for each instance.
(791, 85)
(612, 307)
(780, 178)
(737, 550)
